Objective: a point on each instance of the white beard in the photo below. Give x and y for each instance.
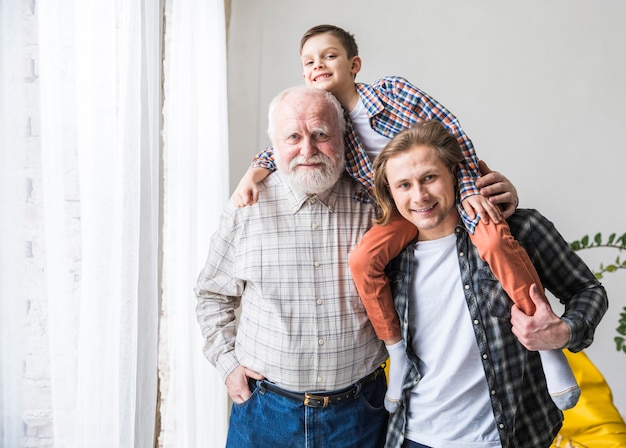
(311, 182)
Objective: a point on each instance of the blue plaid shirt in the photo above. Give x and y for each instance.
(524, 413)
(394, 104)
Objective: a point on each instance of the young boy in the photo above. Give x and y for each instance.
(375, 114)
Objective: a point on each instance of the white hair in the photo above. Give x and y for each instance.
(327, 96)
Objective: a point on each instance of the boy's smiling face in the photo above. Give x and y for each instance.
(326, 65)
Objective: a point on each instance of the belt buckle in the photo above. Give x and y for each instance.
(320, 402)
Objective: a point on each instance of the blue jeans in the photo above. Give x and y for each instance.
(269, 420)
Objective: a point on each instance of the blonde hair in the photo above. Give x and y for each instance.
(429, 133)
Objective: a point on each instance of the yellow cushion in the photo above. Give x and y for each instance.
(594, 421)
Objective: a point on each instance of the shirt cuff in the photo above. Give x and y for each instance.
(579, 335)
(226, 364)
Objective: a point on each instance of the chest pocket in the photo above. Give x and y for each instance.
(498, 302)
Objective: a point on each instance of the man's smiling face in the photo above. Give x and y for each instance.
(422, 187)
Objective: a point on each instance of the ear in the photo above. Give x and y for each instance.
(356, 65)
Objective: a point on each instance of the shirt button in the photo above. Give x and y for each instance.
(320, 379)
(493, 392)
(467, 287)
(320, 341)
(320, 301)
(315, 226)
(475, 321)
(461, 254)
(501, 426)
(316, 264)
(485, 356)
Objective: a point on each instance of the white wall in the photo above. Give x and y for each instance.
(539, 85)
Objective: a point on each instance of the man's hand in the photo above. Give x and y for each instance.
(542, 331)
(237, 383)
(498, 189)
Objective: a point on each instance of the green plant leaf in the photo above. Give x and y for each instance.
(598, 239)
(619, 343)
(584, 241)
(611, 239)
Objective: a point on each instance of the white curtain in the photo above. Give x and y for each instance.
(195, 137)
(79, 221)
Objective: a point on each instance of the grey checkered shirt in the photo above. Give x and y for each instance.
(524, 412)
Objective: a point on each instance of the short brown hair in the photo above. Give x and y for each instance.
(429, 133)
(346, 39)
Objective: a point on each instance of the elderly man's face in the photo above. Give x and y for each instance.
(307, 143)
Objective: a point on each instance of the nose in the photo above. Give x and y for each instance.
(319, 63)
(420, 193)
(307, 147)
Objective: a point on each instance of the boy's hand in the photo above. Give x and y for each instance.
(247, 192)
(478, 204)
(498, 189)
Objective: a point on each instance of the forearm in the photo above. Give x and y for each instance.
(218, 295)
(564, 274)
(218, 327)
(581, 319)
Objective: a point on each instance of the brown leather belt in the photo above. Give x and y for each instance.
(324, 399)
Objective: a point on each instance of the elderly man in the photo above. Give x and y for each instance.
(475, 377)
(303, 365)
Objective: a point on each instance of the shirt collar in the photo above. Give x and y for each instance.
(370, 100)
(297, 200)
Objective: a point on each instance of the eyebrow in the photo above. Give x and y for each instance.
(331, 48)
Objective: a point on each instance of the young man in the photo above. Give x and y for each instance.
(375, 113)
(472, 380)
(303, 366)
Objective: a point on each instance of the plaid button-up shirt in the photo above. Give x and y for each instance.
(394, 104)
(284, 260)
(524, 413)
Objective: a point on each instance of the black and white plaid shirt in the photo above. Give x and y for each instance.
(524, 412)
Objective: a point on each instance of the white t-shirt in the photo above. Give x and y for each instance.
(372, 141)
(450, 407)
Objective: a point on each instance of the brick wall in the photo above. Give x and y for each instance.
(36, 393)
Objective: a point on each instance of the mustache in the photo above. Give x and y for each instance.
(317, 158)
